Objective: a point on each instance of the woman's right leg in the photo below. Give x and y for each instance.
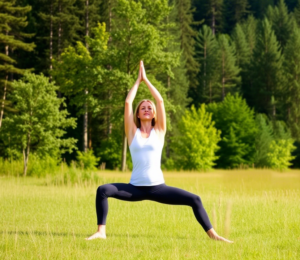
(119, 191)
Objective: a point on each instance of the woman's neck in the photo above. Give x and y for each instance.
(146, 127)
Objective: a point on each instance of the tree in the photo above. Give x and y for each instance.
(13, 19)
(228, 70)
(263, 140)
(187, 42)
(207, 55)
(196, 144)
(234, 12)
(291, 66)
(238, 130)
(214, 12)
(138, 33)
(249, 28)
(281, 22)
(267, 71)
(39, 123)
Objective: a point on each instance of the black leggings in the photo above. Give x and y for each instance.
(159, 193)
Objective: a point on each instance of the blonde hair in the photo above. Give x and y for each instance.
(136, 120)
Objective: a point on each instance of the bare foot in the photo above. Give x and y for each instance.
(97, 235)
(213, 235)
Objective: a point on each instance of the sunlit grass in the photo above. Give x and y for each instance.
(258, 209)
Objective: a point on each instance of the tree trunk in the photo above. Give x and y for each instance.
(90, 131)
(168, 136)
(85, 117)
(51, 36)
(5, 86)
(59, 41)
(3, 100)
(26, 155)
(223, 77)
(213, 21)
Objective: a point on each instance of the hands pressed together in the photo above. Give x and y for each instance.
(142, 73)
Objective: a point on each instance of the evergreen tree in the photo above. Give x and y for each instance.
(13, 20)
(263, 140)
(292, 85)
(238, 131)
(228, 70)
(259, 7)
(234, 12)
(187, 41)
(61, 24)
(267, 72)
(177, 82)
(296, 13)
(207, 55)
(249, 28)
(281, 22)
(243, 56)
(214, 13)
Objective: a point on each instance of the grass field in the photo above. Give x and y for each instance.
(258, 209)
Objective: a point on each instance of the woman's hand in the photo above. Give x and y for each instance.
(143, 72)
(140, 78)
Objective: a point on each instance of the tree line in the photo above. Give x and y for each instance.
(228, 71)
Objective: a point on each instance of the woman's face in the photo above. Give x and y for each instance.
(146, 111)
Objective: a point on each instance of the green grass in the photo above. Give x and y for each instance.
(258, 209)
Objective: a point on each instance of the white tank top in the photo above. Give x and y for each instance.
(146, 159)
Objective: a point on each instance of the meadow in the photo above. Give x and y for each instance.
(258, 209)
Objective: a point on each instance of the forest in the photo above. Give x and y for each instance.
(228, 70)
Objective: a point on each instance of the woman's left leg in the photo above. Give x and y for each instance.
(174, 196)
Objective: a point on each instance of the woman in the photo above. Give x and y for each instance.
(145, 130)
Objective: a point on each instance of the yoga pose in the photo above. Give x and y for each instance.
(145, 130)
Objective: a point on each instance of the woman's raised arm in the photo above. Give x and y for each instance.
(130, 126)
(161, 114)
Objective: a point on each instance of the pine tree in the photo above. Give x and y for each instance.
(250, 30)
(236, 121)
(259, 7)
(214, 15)
(228, 69)
(267, 72)
(263, 140)
(234, 11)
(187, 41)
(296, 13)
(207, 55)
(13, 19)
(292, 85)
(243, 56)
(281, 22)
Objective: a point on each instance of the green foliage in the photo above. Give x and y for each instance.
(197, 143)
(280, 156)
(274, 145)
(281, 22)
(41, 166)
(12, 21)
(238, 130)
(266, 72)
(110, 150)
(87, 160)
(263, 141)
(207, 55)
(39, 123)
(227, 68)
(291, 66)
(234, 12)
